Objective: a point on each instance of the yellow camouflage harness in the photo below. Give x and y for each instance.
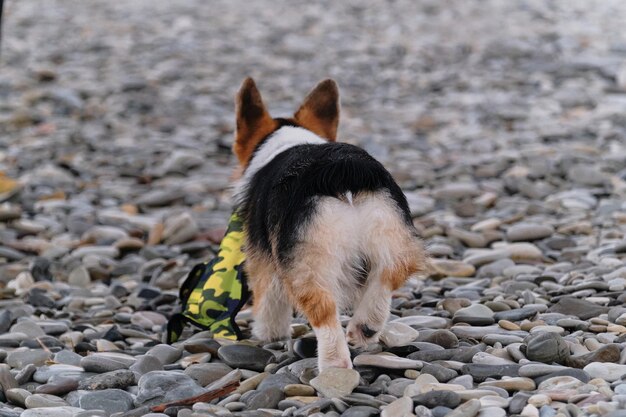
(215, 291)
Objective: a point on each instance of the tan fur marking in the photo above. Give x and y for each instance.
(253, 121)
(318, 307)
(260, 273)
(319, 112)
(395, 277)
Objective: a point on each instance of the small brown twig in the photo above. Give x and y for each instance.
(207, 396)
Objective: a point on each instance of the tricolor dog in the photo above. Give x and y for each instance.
(327, 229)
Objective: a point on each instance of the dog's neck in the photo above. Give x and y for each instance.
(284, 138)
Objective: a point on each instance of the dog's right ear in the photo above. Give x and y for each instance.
(253, 121)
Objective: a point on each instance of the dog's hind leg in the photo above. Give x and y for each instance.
(399, 256)
(371, 311)
(311, 285)
(272, 310)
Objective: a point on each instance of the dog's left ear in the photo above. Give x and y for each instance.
(319, 112)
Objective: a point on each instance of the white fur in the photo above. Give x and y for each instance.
(273, 320)
(340, 235)
(284, 138)
(332, 350)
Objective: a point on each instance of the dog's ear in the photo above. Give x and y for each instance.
(319, 112)
(253, 121)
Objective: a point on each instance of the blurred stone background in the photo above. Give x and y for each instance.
(504, 121)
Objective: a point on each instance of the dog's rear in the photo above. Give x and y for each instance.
(327, 228)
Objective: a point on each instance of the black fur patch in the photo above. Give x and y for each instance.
(281, 197)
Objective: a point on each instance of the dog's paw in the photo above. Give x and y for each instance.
(360, 335)
(341, 360)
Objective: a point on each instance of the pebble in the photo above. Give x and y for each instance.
(431, 399)
(547, 347)
(158, 387)
(43, 400)
(62, 411)
(398, 334)
(244, 356)
(522, 232)
(512, 384)
(109, 400)
(386, 361)
(476, 314)
(335, 382)
(467, 409)
(608, 371)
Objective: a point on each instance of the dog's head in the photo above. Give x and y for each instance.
(319, 113)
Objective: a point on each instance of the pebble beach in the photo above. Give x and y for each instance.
(503, 122)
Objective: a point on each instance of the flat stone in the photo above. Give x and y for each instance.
(17, 396)
(476, 314)
(252, 383)
(486, 256)
(491, 411)
(121, 378)
(512, 384)
(398, 334)
(29, 328)
(432, 399)
(582, 309)
(427, 322)
(516, 314)
(7, 380)
(20, 358)
(608, 371)
(158, 387)
(64, 411)
(44, 400)
(45, 373)
(291, 390)
(267, 398)
(387, 361)
(246, 357)
(450, 268)
(361, 411)
(60, 386)
(528, 232)
(608, 353)
(166, 354)
(400, 407)
(533, 370)
(106, 362)
(207, 373)
(559, 383)
(279, 380)
(336, 382)
(576, 373)
(441, 373)
(147, 364)
(480, 372)
(79, 277)
(109, 400)
(68, 358)
(467, 409)
(469, 332)
(443, 338)
(547, 347)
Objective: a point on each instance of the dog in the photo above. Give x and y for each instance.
(327, 229)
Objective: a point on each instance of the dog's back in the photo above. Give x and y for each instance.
(327, 228)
